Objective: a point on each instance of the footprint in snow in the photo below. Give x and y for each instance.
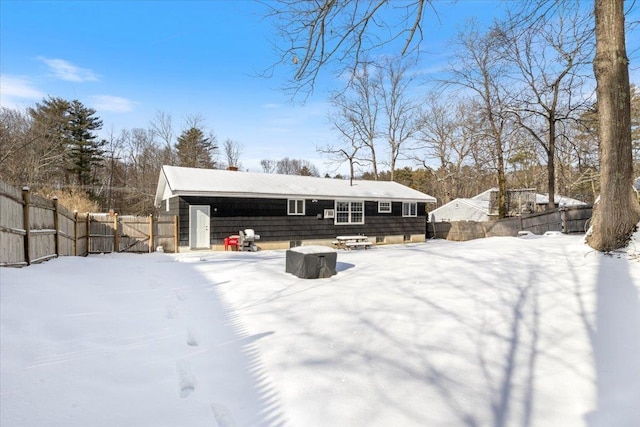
(172, 312)
(180, 295)
(192, 340)
(222, 415)
(186, 380)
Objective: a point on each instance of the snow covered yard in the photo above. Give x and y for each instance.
(536, 331)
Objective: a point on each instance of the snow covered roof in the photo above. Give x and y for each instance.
(174, 181)
(461, 210)
(485, 195)
(541, 199)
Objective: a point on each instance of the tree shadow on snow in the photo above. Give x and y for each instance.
(240, 391)
(615, 340)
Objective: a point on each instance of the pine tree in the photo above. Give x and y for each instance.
(45, 155)
(85, 151)
(194, 150)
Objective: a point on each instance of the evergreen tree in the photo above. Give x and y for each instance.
(85, 151)
(194, 150)
(45, 154)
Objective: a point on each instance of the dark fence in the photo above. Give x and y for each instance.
(34, 229)
(569, 220)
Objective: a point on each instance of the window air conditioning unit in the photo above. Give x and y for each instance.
(329, 213)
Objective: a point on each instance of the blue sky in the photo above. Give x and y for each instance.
(131, 59)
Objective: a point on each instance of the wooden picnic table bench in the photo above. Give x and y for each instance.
(352, 242)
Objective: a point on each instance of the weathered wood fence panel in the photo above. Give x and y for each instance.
(577, 220)
(166, 233)
(34, 229)
(542, 222)
(42, 229)
(438, 230)
(81, 247)
(136, 234)
(12, 229)
(102, 233)
(66, 231)
(129, 233)
(567, 220)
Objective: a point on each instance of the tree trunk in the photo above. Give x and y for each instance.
(502, 181)
(551, 163)
(617, 213)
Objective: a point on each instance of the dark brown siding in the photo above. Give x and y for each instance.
(269, 219)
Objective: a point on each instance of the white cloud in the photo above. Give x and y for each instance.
(114, 104)
(64, 70)
(16, 88)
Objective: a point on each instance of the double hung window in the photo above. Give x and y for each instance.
(349, 212)
(296, 207)
(409, 209)
(384, 207)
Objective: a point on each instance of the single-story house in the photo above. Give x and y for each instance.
(478, 207)
(287, 210)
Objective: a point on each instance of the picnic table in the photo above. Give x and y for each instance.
(352, 242)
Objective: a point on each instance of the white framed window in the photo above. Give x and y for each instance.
(384, 207)
(349, 212)
(295, 207)
(409, 209)
(167, 204)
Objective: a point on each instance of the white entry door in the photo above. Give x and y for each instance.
(199, 237)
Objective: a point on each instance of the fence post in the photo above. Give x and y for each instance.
(88, 230)
(151, 233)
(116, 234)
(56, 225)
(175, 233)
(75, 233)
(26, 224)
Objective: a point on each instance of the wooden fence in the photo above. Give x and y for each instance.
(568, 220)
(34, 229)
(128, 233)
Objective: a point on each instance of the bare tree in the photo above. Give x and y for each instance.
(478, 70)
(233, 151)
(317, 34)
(20, 147)
(268, 165)
(550, 57)
(162, 129)
(399, 109)
(617, 213)
(340, 153)
(442, 137)
(357, 111)
(289, 166)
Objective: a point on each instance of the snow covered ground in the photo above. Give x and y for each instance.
(536, 331)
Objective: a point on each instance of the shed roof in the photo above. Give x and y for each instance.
(541, 199)
(181, 181)
(461, 210)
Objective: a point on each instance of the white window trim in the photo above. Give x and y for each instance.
(380, 210)
(335, 220)
(414, 214)
(296, 204)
